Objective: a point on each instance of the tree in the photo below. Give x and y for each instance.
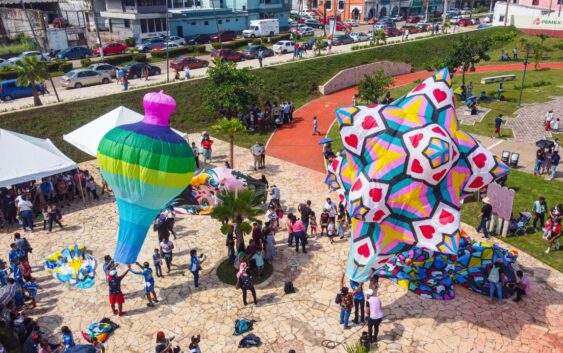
(447, 26)
(229, 127)
(373, 86)
(31, 71)
(379, 35)
(238, 207)
(321, 45)
(231, 89)
(537, 50)
(467, 52)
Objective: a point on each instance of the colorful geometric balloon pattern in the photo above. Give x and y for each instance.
(432, 275)
(146, 164)
(404, 172)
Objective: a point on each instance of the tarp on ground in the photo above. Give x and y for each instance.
(87, 137)
(25, 158)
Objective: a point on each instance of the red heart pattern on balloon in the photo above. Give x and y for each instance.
(415, 139)
(334, 164)
(375, 194)
(364, 250)
(480, 160)
(378, 216)
(419, 87)
(446, 217)
(427, 231)
(438, 176)
(439, 95)
(416, 167)
(477, 183)
(357, 185)
(437, 130)
(369, 122)
(351, 140)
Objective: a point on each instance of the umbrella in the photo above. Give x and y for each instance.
(545, 144)
(325, 140)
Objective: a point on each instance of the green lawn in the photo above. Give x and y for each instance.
(297, 81)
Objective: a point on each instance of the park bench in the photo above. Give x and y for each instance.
(485, 80)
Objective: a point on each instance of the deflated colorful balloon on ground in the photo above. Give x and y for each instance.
(404, 171)
(146, 164)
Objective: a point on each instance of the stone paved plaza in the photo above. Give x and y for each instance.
(306, 321)
(529, 121)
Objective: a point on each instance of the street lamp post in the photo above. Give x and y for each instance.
(524, 75)
(167, 39)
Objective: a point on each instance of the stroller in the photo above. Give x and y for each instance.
(518, 226)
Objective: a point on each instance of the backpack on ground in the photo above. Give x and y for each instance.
(338, 298)
(288, 287)
(249, 341)
(242, 326)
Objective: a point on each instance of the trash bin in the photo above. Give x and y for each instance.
(514, 157)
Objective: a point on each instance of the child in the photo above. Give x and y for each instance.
(146, 272)
(31, 289)
(45, 213)
(68, 340)
(315, 126)
(331, 231)
(98, 346)
(258, 257)
(313, 224)
(324, 221)
(230, 243)
(157, 262)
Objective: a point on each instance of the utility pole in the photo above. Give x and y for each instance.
(41, 49)
(506, 12)
(325, 22)
(426, 15)
(445, 11)
(97, 30)
(524, 74)
(167, 39)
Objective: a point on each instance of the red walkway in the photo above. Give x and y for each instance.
(296, 143)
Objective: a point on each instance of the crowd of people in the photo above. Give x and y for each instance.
(547, 160)
(267, 118)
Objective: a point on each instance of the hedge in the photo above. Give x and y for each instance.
(65, 67)
(8, 75)
(234, 44)
(284, 36)
(117, 59)
(172, 52)
(141, 57)
(85, 62)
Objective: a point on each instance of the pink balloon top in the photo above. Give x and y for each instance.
(158, 108)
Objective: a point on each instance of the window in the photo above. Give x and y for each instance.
(127, 23)
(158, 25)
(328, 4)
(144, 28)
(219, 21)
(206, 23)
(315, 4)
(535, 2)
(150, 23)
(501, 18)
(341, 5)
(228, 20)
(164, 28)
(193, 23)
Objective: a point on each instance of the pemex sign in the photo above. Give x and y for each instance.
(547, 22)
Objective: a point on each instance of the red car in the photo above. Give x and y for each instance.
(343, 26)
(225, 36)
(111, 48)
(413, 19)
(228, 55)
(373, 20)
(412, 29)
(193, 63)
(327, 20)
(464, 22)
(392, 32)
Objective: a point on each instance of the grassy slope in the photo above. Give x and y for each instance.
(297, 82)
(527, 187)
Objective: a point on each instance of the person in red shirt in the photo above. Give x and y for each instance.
(346, 302)
(206, 144)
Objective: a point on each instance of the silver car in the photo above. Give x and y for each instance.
(84, 77)
(103, 68)
(39, 55)
(359, 36)
(177, 40)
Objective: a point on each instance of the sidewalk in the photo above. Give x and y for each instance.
(295, 143)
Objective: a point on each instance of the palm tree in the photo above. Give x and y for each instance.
(229, 127)
(31, 71)
(238, 207)
(380, 36)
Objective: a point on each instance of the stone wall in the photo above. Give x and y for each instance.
(352, 77)
(14, 21)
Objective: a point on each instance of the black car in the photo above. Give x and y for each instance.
(136, 70)
(199, 39)
(308, 44)
(314, 23)
(342, 39)
(251, 52)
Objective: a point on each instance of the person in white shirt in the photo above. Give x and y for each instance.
(275, 193)
(166, 247)
(331, 207)
(25, 212)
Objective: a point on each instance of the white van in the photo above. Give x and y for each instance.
(262, 28)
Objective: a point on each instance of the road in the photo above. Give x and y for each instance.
(67, 95)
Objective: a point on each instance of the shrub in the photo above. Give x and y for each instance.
(234, 44)
(118, 59)
(284, 36)
(53, 66)
(141, 57)
(8, 75)
(65, 67)
(85, 62)
(172, 52)
(559, 45)
(130, 41)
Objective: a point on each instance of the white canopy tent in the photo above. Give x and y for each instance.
(88, 137)
(25, 158)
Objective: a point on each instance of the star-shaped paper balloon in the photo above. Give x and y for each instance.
(403, 173)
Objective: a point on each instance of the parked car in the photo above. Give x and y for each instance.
(150, 44)
(39, 55)
(177, 40)
(413, 19)
(313, 23)
(379, 26)
(228, 55)
(60, 22)
(340, 26)
(103, 68)
(423, 26)
(386, 19)
(169, 45)
(373, 20)
(111, 48)
(291, 22)
(5, 62)
(455, 20)
(193, 63)
(251, 52)
(308, 44)
(284, 46)
(342, 39)
(359, 36)
(72, 53)
(392, 32)
(10, 90)
(474, 21)
(199, 39)
(397, 18)
(454, 12)
(487, 19)
(84, 77)
(466, 11)
(306, 31)
(412, 29)
(352, 23)
(464, 22)
(225, 36)
(136, 70)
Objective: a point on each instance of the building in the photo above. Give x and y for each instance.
(147, 18)
(542, 17)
